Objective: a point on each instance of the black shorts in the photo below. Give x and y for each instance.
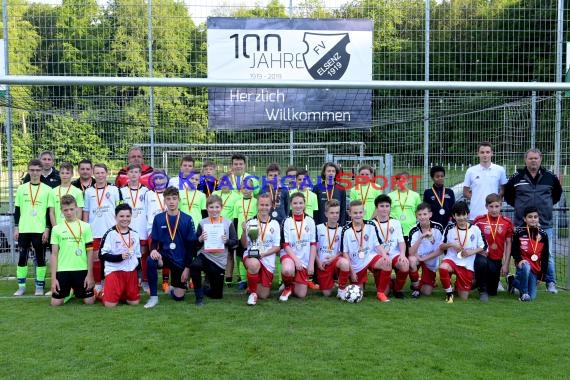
(72, 280)
(175, 273)
(239, 251)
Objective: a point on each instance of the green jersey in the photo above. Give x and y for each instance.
(55, 200)
(33, 202)
(244, 209)
(367, 194)
(192, 202)
(404, 204)
(228, 201)
(311, 201)
(71, 239)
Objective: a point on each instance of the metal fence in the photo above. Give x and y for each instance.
(517, 41)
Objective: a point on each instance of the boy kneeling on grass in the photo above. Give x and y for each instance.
(530, 252)
(462, 241)
(71, 256)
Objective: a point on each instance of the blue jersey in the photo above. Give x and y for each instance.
(183, 250)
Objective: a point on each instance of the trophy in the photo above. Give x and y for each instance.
(253, 234)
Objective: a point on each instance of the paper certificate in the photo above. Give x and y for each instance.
(214, 242)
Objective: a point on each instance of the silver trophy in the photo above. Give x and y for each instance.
(253, 234)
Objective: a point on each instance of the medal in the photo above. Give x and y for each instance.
(441, 200)
(441, 211)
(33, 199)
(299, 232)
(494, 246)
(77, 239)
(385, 236)
(461, 243)
(403, 205)
(402, 217)
(330, 242)
(100, 200)
(361, 254)
(534, 257)
(188, 202)
(274, 214)
(134, 199)
(459, 255)
(128, 243)
(99, 213)
(360, 242)
(494, 231)
(171, 231)
(78, 252)
(534, 246)
(33, 212)
(298, 245)
(131, 252)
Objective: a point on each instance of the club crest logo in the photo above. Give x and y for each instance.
(326, 57)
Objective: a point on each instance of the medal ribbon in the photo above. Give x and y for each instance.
(59, 191)
(331, 243)
(361, 241)
(365, 196)
(244, 209)
(273, 197)
(330, 196)
(172, 232)
(441, 200)
(128, 243)
(226, 201)
(387, 236)
(99, 201)
(33, 199)
(535, 245)
(136, 198)
(77, 239)
(494, 231)
(461, 243)
(299, 231)
(262, 230)
(213, 221)
(190, 204)
(402, 206)
(159, 202)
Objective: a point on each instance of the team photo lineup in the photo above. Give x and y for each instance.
(205, 231)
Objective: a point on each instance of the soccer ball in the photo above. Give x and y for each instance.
(353, 294)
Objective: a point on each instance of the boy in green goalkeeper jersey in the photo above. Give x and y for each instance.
(244, 209)
(55, 213)
(72, 256)
(192, 200)
(404, 204)
(31, 226)
(366, 193)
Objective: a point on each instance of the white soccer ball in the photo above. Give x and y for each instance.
(354, 294)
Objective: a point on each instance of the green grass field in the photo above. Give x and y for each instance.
(316, 338)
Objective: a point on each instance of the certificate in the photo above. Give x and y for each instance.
(214, 242)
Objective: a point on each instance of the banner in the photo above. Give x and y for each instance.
(289, 49)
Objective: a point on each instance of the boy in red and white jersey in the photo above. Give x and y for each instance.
(120, 248)
(329, 260)
(462, 241)
(259, 255)
(425, 238)
(299, 250)
(498, 231)
(134, 195)
(361, 242)
(99, 212)
(393, 242)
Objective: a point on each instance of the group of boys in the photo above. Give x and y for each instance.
(107, 240)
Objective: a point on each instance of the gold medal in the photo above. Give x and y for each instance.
(494, 246)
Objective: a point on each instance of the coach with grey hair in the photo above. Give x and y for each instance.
(533, 185)
(135, 157)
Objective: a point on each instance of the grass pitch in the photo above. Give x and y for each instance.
(315, 338)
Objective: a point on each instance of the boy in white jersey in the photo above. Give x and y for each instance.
(154, 205)
(299, 250)
(425, 238)
(462, 241)
(361, 242)
(99, 212)
(71, 256)
(393, 242)
(183, 177)
(259, 254)
(329, 260)
(120, 248)
(55, 213)
(134, 195)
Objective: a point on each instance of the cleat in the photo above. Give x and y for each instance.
(484, 297)
(449, 297)
(252, 299)
(380, 296)
(39, 291)
(199, 302)
(152, 302)
(500, 287)
(165, 287)
(312, 285)
(525, 298)
(416, 294)
(510, 284)
(399, 295)
(20, 291)
(551, 288)
(284, 297)
(341, 294)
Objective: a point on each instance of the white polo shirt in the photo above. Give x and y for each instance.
(483, 181)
